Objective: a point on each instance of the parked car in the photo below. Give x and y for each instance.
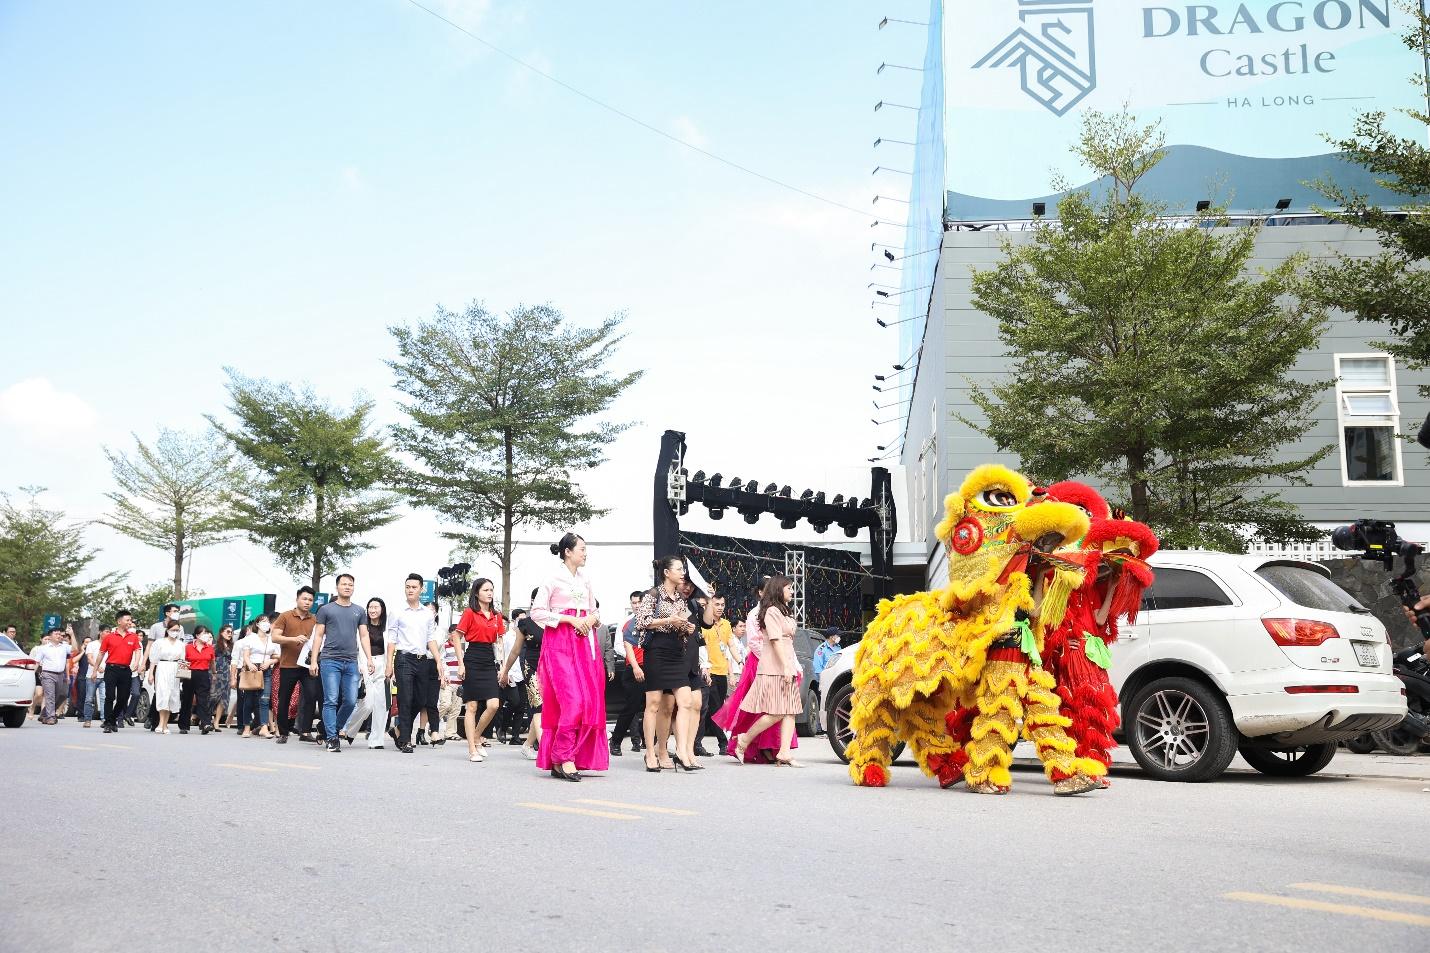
(1231, 653)
(17, 683)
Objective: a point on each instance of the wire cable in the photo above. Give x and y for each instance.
(638, 121)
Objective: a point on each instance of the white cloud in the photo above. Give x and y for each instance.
(35, 408)
(688, 132)
(352, 179)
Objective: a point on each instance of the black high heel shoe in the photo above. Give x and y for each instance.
(559, 772)
(688, 767)
(653, 769)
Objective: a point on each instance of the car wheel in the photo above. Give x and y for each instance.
(14, 716)
(836, 723)
(1178, 729)
(1361, 744)
(805, 728)
(1296, 762)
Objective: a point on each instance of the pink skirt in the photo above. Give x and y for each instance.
(735, 721)
(773, 695)
(573, 714)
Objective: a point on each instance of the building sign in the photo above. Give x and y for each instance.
(232, 613)
(1263, 79)
(429, 592)
(54, 621)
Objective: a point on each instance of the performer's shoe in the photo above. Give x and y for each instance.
(616, 751)
(988, 787)
(1077, 784)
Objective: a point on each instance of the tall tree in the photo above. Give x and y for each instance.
(1144, 356)
(503, 413)
(42, 559)
(173, 495)
(311, 490)
(1392, 287)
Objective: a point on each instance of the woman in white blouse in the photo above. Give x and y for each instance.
(162, 661)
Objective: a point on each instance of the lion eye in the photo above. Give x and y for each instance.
(999, 497)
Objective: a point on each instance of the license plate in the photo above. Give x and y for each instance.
(1367, 653)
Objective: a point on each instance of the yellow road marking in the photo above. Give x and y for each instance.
(1361, 892)
(1345, 909)
(116, 747)
(79, 748)
(289, 764)
(245, 767)
(636, 807)
(562, 809)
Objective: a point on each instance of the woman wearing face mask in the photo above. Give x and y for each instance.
(257, 654)
(572, 671)
(375, 699)
(194, 692)
(221, 679)
(480, 629)
(162, 661)
(774, 697)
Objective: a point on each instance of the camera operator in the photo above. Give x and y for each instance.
(1420, 606)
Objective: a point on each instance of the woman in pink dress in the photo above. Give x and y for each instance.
(572, 671)
(762, 747)
(774, 697)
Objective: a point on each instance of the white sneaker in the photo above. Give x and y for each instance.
(527, 753)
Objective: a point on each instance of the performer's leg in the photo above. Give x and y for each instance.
(1046, 728)
(874, 721)
(922, 724)
(995, 726)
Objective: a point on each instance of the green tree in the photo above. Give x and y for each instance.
(310, 493)
(502, 415)
(1144, 356)
(146, 602)
(173, 495)
(1392, 287)
(42, 559)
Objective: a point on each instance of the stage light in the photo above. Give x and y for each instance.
(820, 527)
(789, 523)
(807, 495)
(851, 531)
(717, 512)
(1203, 205)
(699, 477)
(852, 503)
(1040, 209)
(752, 518)
(889, 255)
(785, 491)
(770, 488)
(1283, 204)
(838, 499)
(819, 497)
(715, 481)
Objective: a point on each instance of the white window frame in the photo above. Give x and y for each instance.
(1345, 419)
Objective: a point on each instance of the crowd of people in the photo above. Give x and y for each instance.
(536, 679)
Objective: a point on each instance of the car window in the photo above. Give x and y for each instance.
(1185, 589)
(7, 646)
(1306, 587)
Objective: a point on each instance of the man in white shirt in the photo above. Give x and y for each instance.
(52, 654)
(414, 653)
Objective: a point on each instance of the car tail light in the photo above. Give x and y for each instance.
(1321, 690)
(1299, 632)
(22, 663)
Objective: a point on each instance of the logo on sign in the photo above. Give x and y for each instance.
(1053, 52)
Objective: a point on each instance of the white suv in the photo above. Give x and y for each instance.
(17, 683)
(1266, 656)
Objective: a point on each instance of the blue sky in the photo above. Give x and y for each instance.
(270, 185)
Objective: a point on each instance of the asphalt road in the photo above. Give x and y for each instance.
(142, 842)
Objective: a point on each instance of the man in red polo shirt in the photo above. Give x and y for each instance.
(119, 655)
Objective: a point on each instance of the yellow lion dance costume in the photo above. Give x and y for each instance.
(975, 645)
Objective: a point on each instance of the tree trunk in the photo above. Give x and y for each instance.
(506, 525)
(317, 549)
(179, 569)
(1137, 482)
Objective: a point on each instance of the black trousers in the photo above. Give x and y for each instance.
(715, 694)
(194, 697)
(310, 703)
(288, 680)
(417, 687)
(633, 694)
(510, 720)
(118, 679)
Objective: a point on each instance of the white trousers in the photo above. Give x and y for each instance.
(375, 702)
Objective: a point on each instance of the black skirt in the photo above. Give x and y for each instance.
(480, 682)
(692, 661)
(666, 665)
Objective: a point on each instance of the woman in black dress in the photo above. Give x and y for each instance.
(481, 627)
(526, 652)
(663, 620)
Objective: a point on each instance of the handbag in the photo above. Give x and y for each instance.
(185, 673)
(249, 679)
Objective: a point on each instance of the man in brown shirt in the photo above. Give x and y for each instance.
(291, 631)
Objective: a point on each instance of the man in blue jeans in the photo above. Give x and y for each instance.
(339, 640)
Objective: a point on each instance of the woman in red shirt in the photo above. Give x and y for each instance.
(194, 691)
(481, 626)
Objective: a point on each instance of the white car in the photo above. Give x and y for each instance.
(1261, 655)
(17, 683)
